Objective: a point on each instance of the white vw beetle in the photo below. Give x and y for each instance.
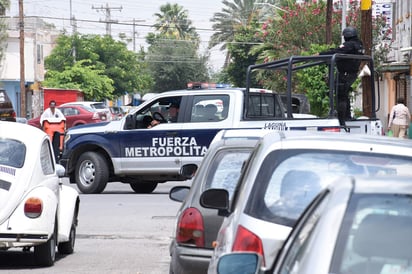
(36, 210)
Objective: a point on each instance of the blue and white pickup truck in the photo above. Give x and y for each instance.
(128, 151)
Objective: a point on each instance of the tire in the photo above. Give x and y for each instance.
(68, 247)
(92, 173)
(45, 254)
(144, 187)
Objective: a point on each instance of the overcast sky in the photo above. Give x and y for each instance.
(90, 12)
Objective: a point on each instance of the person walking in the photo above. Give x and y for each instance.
(399, 119)
(348, 70)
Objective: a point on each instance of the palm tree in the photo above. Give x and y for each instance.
(235, 15)
(173, 22)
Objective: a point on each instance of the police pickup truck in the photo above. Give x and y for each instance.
(135, 151)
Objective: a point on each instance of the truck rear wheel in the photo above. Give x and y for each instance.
(144, 187)
(92, 173)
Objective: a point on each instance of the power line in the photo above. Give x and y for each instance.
(107, 12)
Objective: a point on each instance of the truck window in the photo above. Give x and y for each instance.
(265, 105)
(210, 108)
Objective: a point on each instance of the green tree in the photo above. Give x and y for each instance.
(4, 5)
(172, 21)
(125, 68)
(234, 15)
(241, 57)
(173, 52)
(175, 63)
(83, 76)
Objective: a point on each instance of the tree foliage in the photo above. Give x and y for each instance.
(174, 64)
(173, 21)
(93, 82)
(289, 36)
(4, 4)
(241, 58)
(234, 16)
(172, 56)
(110, 58)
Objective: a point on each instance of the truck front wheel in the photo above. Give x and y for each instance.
(92, 173)
(143, 187)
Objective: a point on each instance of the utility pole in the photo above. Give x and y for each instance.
(329, 11)
(366, 36)
(22, 76)
(108, 20)
(74, 30)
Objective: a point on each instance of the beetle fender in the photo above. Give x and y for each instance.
(69, 199)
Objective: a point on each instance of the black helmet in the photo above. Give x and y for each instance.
(349, 32)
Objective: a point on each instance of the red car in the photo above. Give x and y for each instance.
(76, 115)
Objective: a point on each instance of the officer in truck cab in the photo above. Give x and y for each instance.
(173, 113)
(348, 70)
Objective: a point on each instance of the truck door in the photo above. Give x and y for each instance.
(149, 150)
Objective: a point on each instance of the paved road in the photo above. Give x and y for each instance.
(119, 232)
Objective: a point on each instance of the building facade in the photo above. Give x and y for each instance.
(39, 40)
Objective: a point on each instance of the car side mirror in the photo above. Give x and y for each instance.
(60, 170)
(216, 199)
(188, 171)
(129, 122)
(179, 193)
(239, 263)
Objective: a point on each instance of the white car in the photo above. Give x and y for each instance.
(283, 175)
(356, 225)
(98, 106)
(36, 209)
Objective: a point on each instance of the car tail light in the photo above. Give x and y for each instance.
(14, 115)
(33, 207)
(190, 228)
(245, 240)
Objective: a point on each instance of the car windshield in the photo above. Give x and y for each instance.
(375, 235)
(284, 189)
(99, 106)
(12, 153)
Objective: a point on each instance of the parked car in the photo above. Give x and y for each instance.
(357, 225)
(287, 170)
(117, 113)
(98, 106)
(196, 228)
(76, 115)
(7, 112)
(36, 209)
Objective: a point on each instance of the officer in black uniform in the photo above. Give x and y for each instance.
(348, 70)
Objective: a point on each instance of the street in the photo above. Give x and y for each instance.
(118, 232)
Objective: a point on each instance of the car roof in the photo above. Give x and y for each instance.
(339, 141)
(82, 103)
(13, 130)
(382, 184)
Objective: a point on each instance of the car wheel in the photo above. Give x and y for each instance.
(92, 173)
(68, 247)
(143, 187)
(45, 254)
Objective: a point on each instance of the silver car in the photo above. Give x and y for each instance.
(357, 225)
(196, 228)
(286, 171)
